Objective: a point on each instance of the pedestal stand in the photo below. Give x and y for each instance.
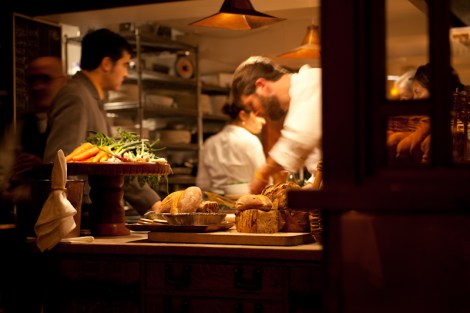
(107, 216)
(106, 182)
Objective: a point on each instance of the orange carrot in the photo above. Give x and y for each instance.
(80, 149)
(99, 155)
(86, 154)
(104, 158)
(90, 159)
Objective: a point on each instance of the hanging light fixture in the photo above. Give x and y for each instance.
(237, 15)
(309, 48)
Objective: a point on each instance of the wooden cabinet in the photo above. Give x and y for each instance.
(221, 285)
(173, 281)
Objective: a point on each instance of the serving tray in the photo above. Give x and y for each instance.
(180, 229)
(232, 237)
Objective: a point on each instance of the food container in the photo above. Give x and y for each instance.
(174, 136)
(194, 219)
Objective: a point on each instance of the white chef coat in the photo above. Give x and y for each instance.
(230, 156)
(300, 140)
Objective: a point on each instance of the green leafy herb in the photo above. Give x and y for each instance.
(129, 147)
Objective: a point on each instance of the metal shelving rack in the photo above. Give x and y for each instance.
(145, 43)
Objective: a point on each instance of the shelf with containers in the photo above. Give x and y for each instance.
(166, 86)
(211, 101)
(164, 98)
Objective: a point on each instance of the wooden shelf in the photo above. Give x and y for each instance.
(215, 117)
(214, 89)
(157, 77)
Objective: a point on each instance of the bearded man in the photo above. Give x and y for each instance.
(275, 93)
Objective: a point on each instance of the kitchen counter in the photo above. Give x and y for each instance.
(137, 244)
(132, 274)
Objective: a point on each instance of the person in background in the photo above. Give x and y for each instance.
(7, 159)
(275, 93)
(79, 106)
(404, 88)
(404, 85)
(45, 76)
(233, 154)
(416, 146)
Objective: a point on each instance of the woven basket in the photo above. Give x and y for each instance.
(403, 123)
(316, 227)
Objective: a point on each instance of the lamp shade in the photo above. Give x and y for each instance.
(237, 15)
(309, 48)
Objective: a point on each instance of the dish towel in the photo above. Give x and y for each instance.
(56, 218)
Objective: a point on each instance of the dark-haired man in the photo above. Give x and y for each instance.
(79, 106)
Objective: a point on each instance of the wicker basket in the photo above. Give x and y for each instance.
(403, 123)
(316, 227)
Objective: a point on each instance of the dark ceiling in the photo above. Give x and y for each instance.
(46, 7)
(460, 8)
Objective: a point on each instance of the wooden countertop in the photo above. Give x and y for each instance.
(137, 243)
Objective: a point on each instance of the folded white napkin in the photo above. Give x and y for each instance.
(56, 218)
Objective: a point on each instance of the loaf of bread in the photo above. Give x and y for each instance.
(253, 202)
(257, 221)
(290, 220)
(277, 193)
(170, 200)
(208, 207)
(189, 201)
(255, 215)
(296, 221)
(182, 201)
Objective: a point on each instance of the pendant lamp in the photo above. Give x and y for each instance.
(309, 48)
(237, 15)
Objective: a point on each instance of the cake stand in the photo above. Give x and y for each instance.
(106, 181)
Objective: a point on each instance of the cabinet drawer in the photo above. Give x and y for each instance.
(305, 279)
(305, 287)
(100, 270)
(164, 304)
(210, 277)
(90, 301)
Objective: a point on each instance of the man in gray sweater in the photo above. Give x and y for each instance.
(79, 106)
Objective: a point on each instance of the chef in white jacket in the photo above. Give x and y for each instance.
(233, 154)
(276, 93)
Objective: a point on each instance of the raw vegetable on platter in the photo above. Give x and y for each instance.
(128, 147)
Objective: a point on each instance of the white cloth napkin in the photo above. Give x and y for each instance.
(56, 218)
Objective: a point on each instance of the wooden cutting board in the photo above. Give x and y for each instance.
(232, 237)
